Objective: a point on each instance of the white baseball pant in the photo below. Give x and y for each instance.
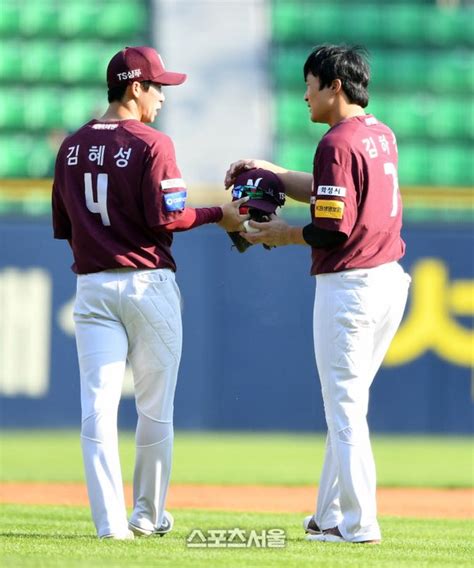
(356, 315)
(134, 314)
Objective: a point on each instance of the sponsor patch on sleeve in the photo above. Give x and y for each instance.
(329, 208)
(175, 200)
(173, 183)
(332, 190)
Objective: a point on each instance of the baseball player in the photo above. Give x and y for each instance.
(361, 289)
(118, 196)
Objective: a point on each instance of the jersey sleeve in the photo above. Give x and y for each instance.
(61, 223)
(163, 189)
(334, 199)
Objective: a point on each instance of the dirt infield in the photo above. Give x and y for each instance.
(424, 503)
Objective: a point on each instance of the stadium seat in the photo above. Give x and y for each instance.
(285, 21)
(402, 24)
(452, 71)
(83, 63)
(452, 118)
(42, 108)
(397, 24)
(24, 155)
(295, 22)
(295, 154)
(14, 154)
(448, 26)
(10, 60)
(361, 24)
(111, 19)
(40, 61)
(287, 67)
(39, 19)
(452, 165)
(41, 157)
(399, 70)
(438, 72)
(10, 19)
(79, 19)
(122, 20)
(439, 164)
(413, 164)
(11, 109)
(81, 105)
(291, 115)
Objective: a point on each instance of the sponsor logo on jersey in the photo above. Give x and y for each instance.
(332, 190)
(329, 208)
(172, 183)
(175, 201)
(129, 74)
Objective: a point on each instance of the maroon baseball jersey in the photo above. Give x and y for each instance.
(116, 189)
(355, 191)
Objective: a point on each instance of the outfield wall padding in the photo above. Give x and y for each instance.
(248, 359)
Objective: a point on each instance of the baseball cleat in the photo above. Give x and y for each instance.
(165, 527)
(334, 535)
(125, 536)
(310, 526)
(327, 535)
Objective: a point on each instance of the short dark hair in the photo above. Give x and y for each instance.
(347, 63)
(117, 93)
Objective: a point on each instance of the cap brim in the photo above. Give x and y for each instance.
(262, 204)
(170, 78)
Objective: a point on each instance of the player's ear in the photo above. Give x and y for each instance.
(336, 86)
(135, 88)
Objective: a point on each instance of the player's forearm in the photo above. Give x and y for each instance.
(294, 236)
(297, 184)
(191, 218)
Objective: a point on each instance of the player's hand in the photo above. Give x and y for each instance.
(232, 220)
(240, 166)
(273, 233)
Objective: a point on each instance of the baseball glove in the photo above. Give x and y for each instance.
(266, 193)
(239, 242)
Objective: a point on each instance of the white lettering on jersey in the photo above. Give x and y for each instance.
(384, 144)
(99, 206)
(370, 121)
(332, 190)
(170, 183)
(96, 154)
(391, 170)
(370, 147)
(72, 156)
(104, 126)
(122, 157)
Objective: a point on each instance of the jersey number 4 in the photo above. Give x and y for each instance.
(99, 206)
(390, 170)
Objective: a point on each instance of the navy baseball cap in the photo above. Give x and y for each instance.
(264, 188)
(140, 64)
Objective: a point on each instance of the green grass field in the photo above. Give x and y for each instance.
(269, 459)
(64, 536)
